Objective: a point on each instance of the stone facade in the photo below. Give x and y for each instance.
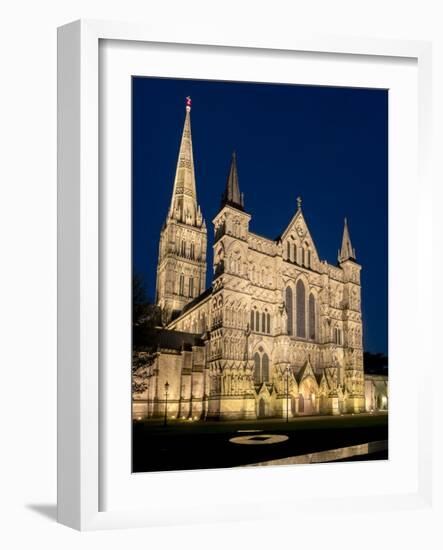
(279, 332)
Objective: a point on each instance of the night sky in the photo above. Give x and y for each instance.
(328, 145)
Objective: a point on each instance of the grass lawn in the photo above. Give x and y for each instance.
(186, 445)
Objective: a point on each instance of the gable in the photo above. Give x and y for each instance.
(264, 390)
(297, 233)
(306, 372)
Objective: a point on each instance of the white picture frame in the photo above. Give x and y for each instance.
(80, 442)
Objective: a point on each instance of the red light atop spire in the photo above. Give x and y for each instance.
(188, 103)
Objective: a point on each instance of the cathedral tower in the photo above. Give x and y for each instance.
(352, 325)
(181, 269)
(231, 387)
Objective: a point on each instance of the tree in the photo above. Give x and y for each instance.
(141, 361)
(375, 363)
(139, 298)
(143, 311)
(145, 318)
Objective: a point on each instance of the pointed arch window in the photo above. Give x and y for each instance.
(295, 253)
(289, 309)
(263, 322)
(261, 368)
(301, 309)
(181, 289)
(257, 321)
(312, 319)
(268, 323)
(192, 251)
(257, 374)
(183, 248)
(252, 320)
(306, 256)
(265, 368)
(191, 287)
(288, 251)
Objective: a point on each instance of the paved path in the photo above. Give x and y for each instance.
(186, 445)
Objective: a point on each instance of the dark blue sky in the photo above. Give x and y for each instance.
(329, 145)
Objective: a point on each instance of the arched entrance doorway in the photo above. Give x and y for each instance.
(301, 404)
(307, 403)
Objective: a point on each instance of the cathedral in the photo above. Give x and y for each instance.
(277, 334)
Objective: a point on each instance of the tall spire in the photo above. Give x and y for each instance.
(232, 195)
(346, 252)
(184, 197)
(181, 267)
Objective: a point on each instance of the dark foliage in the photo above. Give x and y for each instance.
(143, 311)
(145, 317)
(140, 364)
(375, 363)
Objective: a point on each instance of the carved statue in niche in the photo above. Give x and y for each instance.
(283, 316)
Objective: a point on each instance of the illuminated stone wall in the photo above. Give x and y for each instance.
(281, 329)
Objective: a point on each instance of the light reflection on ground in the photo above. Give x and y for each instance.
(262, 439)
(330, 455)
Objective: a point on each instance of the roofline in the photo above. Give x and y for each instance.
(234, 209)
(273, 241)
(202, 301)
